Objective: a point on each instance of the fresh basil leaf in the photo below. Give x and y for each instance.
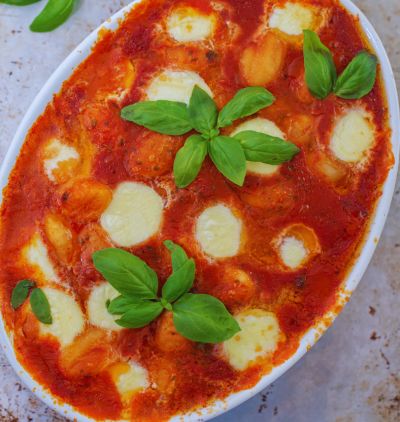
(20, 293)
(178, 255)
(228, 156)
(358, 78)
(120, 305)
(40, 306)
(179, 282)
(320, 70)
(188, 160)
(166, 117)
(127, 273)
(140, 314)
(19, 2)
(246, 102)
(55, 13)
(203, 318)
(265, 148)
(202, 111)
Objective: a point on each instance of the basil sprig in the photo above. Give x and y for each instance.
(38, 300)
(198, 317)
(356, 81)
(227, 153)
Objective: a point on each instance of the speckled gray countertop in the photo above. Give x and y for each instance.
(353, 373)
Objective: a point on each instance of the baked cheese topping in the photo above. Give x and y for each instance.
(97, 310)
(353, 135)
(175, 86)
(186, 24)
(36, 254)
(129, 378)
(56, 153)
(269, 128)
(218, 232)
(68, 319)
(134, 214)
(292, 252)
(292, 18)
(259, 336)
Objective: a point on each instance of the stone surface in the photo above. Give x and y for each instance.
(353, 373)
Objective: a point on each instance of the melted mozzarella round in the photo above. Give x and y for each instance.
(57, 153)
(352, 136)
(258, 337)
(269, 128)
(292, 252)
(36, 254)
(292, 18)
(68, 319)
(175, 86)
(129, 378)
(134, 214)
(186, 24)
(218, 231)
(97, 309)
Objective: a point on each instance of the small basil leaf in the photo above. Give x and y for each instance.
(358, 79)
(54, 14)
(40, 306)
(20, 293)
(320, 70)
(228, 156)
(264, 148)
(188, 160)
(179, 282)
(140, 314)
(202, 111)
(203, 318)
(19, 2)
(178, 255)
(127, 273)
(120, 305)
(246, 102)
(167, 117)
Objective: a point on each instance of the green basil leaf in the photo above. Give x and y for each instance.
(203, 318)
(179, 282)
(166, 117)
(178, 255)
(246, 102)
(19, 2)
(55, 13)
(127, 273)
(140, 314)
(358, 79)
(320, 70)
(40, 306)
(20, 293)
(188, 160)
(265, 148)
(120, 305)
(202, 111)
(228, 156)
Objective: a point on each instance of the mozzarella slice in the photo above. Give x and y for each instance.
(292, 252)
(175, 86)
(259, 336)
(353, 135)
(97, 310)
(134, 214)
(57, 153)
(269, 128)
(37, 256)
(292, 18)
(129, 378)
(186, 24)
(218, 231)
(68, 319)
